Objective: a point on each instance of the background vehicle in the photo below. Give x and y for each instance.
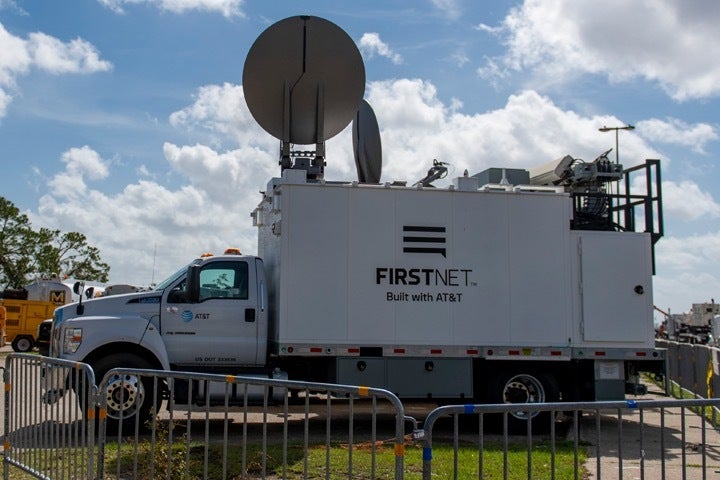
(699, 325)
(507, 286)
(27, 308)
(42, 339)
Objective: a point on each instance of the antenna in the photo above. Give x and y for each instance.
(366, 144)
(303, 80)
(437, 171)
(152, 278)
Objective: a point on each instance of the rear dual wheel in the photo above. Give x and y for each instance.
(525, 386)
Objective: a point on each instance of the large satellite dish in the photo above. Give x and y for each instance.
(366, 144)
(303, 80)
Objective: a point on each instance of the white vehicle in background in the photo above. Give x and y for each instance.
(700, 325)
(42, 338)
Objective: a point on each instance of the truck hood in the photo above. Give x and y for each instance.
(142, 304)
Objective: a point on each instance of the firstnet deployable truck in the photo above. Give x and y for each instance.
(506, 286)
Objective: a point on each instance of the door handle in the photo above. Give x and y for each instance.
(249, 314)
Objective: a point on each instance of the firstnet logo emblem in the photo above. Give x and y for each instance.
(424, 284)
(419, 239)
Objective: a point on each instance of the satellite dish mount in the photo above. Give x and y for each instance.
(311, 161)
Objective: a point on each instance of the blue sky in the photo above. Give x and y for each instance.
(125, 119)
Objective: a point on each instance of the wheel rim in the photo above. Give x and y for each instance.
(523, 388)
(23, 345)
(125, 395)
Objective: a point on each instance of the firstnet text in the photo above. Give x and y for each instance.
(451, 277)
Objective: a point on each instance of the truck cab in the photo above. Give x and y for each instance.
(215, 315)
(210, 314)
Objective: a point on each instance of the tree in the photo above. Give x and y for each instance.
(17, 243)
(69, 254)
(27, 254)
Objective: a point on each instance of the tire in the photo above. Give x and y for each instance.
(129, 397)
(525, 386)
(23, 344)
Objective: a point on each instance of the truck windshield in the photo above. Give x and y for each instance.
(162, 285)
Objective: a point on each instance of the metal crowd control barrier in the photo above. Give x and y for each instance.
(48, 440)
(272, 428)
(642, 439)
(692, 367)
(252, 438)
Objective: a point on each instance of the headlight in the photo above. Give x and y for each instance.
(56, 342)
(72, 341)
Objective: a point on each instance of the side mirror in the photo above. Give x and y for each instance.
(90, 292)
(78, 289)
(177, 296)
(192, 293)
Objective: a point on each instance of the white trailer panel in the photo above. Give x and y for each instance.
(382, 266)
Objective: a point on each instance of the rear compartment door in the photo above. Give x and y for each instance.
(616, 287)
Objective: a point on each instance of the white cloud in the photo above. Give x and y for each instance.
(529, 130)
(685, 200)
(12, 6)
(657, 41)
(207, 211)
(85, 162)
(677, 132)
(46, 53)
(54, 56)
(370, 45)
(687, 271)
(483, 27)
(80, 164)
(5, 100)
(220, 111)
(143, 171)
(228, 8)
(15, 59)
(449, 7)
(460, 59)
(224, 177)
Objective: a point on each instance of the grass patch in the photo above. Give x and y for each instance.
(206, 461)
(202, 460)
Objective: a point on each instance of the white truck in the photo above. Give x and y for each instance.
(505, 286)
(699, 325)
(471, 293)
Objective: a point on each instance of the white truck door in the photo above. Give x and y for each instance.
(222, 327)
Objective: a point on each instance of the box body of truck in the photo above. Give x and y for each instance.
(380, 279)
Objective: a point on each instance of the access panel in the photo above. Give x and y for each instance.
(615, 288)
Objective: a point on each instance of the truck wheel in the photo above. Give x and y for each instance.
(23, 344)
(128, 396)
(525, 387)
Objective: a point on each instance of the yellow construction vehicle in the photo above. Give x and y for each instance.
(26, 308)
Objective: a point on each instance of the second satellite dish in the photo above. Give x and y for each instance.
(303, 79)
(367, 145)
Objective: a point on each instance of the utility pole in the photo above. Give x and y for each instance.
(617, 144)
